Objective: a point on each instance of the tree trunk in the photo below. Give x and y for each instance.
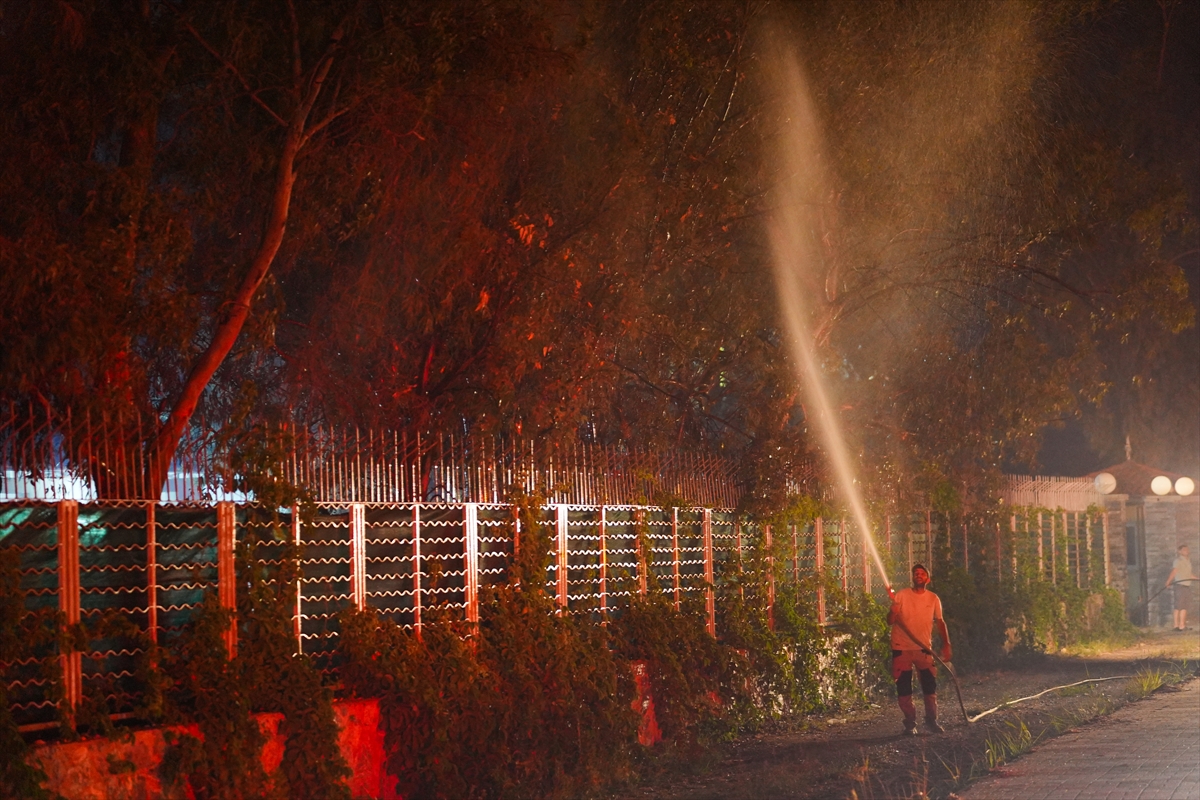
(162, 448)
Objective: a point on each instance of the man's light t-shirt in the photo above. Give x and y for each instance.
(917, 611)
(1183, 569)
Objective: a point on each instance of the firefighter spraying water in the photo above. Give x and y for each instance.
(797, 259)
(913, 615)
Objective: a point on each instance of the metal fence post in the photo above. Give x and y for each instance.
(1053, 552)
(887, 538)
(226, 577)
(910, 543)
(298, 616)
(1087, 543)
(358, 555)
(795, 553)
(844, 559)
(1012, 527)
(416, 571)
(68, 601)
(769, 546)
(151, 575)
(643, 560)
(675, 552)
(471, 560)
(603, 564)
(866, 566)
(737, 533)
(1072, 538)
(1104, 531)
(1041, 553)
(561, 519)
(710, 601)
(929, 538)
(819, 547)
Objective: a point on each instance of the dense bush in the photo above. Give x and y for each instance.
(222, 694)
(528, 704)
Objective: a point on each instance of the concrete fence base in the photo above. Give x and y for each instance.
(128, 768)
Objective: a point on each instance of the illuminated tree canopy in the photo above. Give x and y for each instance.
(549, 217)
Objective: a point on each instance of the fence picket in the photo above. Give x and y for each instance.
(68, 602)
(226, 574)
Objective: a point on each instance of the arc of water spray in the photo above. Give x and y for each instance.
(793, 233)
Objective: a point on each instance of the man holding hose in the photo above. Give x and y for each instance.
(912, 616)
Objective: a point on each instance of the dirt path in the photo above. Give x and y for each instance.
(863, 752)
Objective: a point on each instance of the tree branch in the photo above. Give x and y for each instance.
(163, 447)
(229, 66)
(297, 64)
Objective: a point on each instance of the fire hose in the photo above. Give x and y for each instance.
(928, 650)
(1164, 588)
(958, 690)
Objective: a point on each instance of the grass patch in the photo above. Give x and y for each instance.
(1146, 682)
(1007, 743)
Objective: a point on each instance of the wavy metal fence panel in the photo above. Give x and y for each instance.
(135, 574)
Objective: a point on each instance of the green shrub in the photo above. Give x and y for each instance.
(221, 695)
(530, 704)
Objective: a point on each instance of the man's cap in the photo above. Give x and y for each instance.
(916, 567)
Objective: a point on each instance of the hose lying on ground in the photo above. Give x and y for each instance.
(958, 689)
(983, 714)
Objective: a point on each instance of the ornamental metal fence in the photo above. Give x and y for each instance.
(135, 573)
(49, 457)
(150, 565)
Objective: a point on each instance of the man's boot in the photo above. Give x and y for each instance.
(910, 714)
(931, 714)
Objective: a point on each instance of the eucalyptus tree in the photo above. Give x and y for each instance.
(167, 161)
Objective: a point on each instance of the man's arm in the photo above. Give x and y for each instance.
(1170, 577)
(941, 626)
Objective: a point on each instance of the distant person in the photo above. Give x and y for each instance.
(912, 615)
(1182, 577)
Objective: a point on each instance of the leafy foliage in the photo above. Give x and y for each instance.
(549, 216)
(692, 677)
(529, 704)
(209, 688)
(17, 777)
(221, 695)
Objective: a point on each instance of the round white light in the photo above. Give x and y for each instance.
(1161, 485)
(1105, 483)
(1185, 486)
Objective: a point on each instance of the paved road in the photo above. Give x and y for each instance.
(1149, 750)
